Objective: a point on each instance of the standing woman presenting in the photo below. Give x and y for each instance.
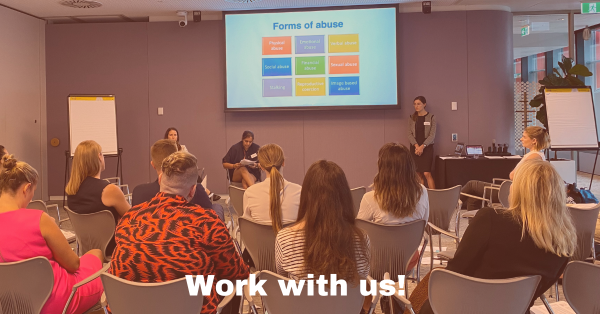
(421, 133)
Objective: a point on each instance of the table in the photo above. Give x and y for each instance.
(454, 171)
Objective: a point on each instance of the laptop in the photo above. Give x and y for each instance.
(474, 150)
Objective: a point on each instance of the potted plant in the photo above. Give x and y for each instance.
(568, 77)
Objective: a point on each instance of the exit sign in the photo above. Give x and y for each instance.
(591, 7)
(525, 30)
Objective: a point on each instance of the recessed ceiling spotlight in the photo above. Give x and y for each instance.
(81, 4)
(562, 19)
(243, 1)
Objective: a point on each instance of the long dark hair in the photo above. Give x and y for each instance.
(167, 134)
(330, 233)
(421, 99)
(396, 185)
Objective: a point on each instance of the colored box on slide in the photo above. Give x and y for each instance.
(314, 86)
(276, 66)
(345, 85)
(343, 65)
(277, 87)
(310, 65)
(277, 45)
(310, 44)
(343, 43)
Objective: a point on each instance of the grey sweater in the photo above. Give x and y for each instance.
(429, 130)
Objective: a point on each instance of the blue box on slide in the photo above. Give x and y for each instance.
(345, 85)
(276, 66)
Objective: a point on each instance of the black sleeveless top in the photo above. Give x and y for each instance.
(88, 199)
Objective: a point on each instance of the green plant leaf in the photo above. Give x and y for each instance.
(574, 81)
(580, 69)
(541, 116)
(537, 101)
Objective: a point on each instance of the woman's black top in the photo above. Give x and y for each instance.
(420, 129)
(88, 199)
(492, 248)
(236, 153)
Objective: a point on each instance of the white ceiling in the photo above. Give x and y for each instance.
(148, 8)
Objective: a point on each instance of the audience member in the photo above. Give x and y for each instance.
(86, 192)
(145, 192)
(421, 135)
(28, 233)
(535, 236)
(3, 152)
(151, 234)
(274, 201)
(397, 195)
(325, 240)
(535, 139)
(246, 149)
(173, 134)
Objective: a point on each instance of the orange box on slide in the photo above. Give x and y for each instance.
(343, 65)
(277, 45)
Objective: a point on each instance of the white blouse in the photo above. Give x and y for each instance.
(257, 202)
(370, 211)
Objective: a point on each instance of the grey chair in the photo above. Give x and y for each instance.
(443, 205)
(236, 199)
(276, 303)
(580, 282)
(30, 284)
(94, 231)
(450, 292)
(41, 205)
(236, 184)
(259, 240)
(129, 297)
(584, 218)
(26, 285)
(503, 191)
(124, 187)
(392, 247)
(357, 195)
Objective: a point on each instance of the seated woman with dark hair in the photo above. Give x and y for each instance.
(27, 233)
(535, 236)
(310, 246)
(246, 149)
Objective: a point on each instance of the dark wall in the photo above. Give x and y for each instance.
(446, 56)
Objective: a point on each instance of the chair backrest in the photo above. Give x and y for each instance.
(276, 303)
(125, 296)
(260, 242)
(94, 231)
(392, 246)
(442, 205)
(451, 293)
(357, 195)
(25, 285)
(504, 193)
(236, 199)
(580, 283)
(584, 218)
(40, 205)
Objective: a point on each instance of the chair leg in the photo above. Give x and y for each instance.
(556, 290)
(431, 251)
(440, 247)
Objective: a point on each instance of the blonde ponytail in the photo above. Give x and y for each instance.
(271, 158)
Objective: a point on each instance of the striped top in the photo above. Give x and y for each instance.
(289, 255)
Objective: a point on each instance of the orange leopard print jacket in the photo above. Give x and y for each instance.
(167, 238)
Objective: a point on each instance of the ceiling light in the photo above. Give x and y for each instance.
(243, 1)
(81, 4)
